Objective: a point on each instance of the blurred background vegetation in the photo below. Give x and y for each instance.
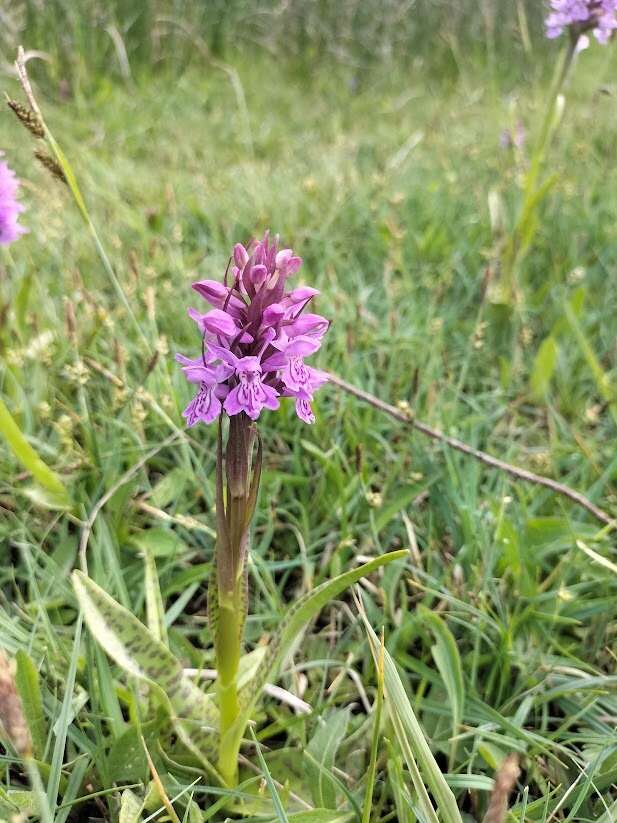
(88, 40)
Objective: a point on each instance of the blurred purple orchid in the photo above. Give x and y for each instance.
(10, 207)
(255, 338)
(580, 16)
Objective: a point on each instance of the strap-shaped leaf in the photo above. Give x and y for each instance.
(127, 641)
(291, 628)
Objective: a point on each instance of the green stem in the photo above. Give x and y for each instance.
(228, 649)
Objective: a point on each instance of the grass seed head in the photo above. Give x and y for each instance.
(50, 164)
(28, 118)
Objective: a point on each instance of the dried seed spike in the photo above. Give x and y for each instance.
(50, 164)
(505, 781)
(12, 717)
(28, 118)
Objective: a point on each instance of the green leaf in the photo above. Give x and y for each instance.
(169, 488)
(603, 381)
(159, 542)
(61, 726)
(448, 661)
(127, 759)
(30, 460)
(470, 782)
(413, 743)
(17, 800)
(610, 815)
(28, 686)
(323, 747)
(492, 754)
(290, 630)
(377, 711)
(131, 807)
(155, 610)
(320, 816)
(544, 367)
(127, 641)
(401, 501)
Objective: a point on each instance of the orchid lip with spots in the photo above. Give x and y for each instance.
(255, 338)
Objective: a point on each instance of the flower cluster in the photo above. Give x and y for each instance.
(582, 15)
(255, 338)
(10, 208)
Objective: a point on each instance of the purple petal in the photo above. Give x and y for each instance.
(219, 322)
(200, 374)
(274, 362)
(223, 354)
(301, 346)
(190, 361)
(219, 295)
(312, 324)
(271, 400)
(273, 313)
(211, 290)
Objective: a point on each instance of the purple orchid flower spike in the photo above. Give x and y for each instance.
(255, 338)
(579, 16)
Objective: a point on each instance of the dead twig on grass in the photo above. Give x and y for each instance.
(488, 460)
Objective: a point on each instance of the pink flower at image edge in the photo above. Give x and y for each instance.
(10, 207)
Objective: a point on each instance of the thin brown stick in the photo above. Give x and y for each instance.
(483, 457)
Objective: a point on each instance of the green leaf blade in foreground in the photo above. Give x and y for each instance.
(412, 741)
(127, 641)
(27, 456)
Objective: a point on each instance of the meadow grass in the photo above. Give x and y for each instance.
(381, 182)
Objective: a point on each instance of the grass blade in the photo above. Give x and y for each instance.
(62, 725)
(276, 800)
(412, 741)
(448, 661)
(372, 768)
